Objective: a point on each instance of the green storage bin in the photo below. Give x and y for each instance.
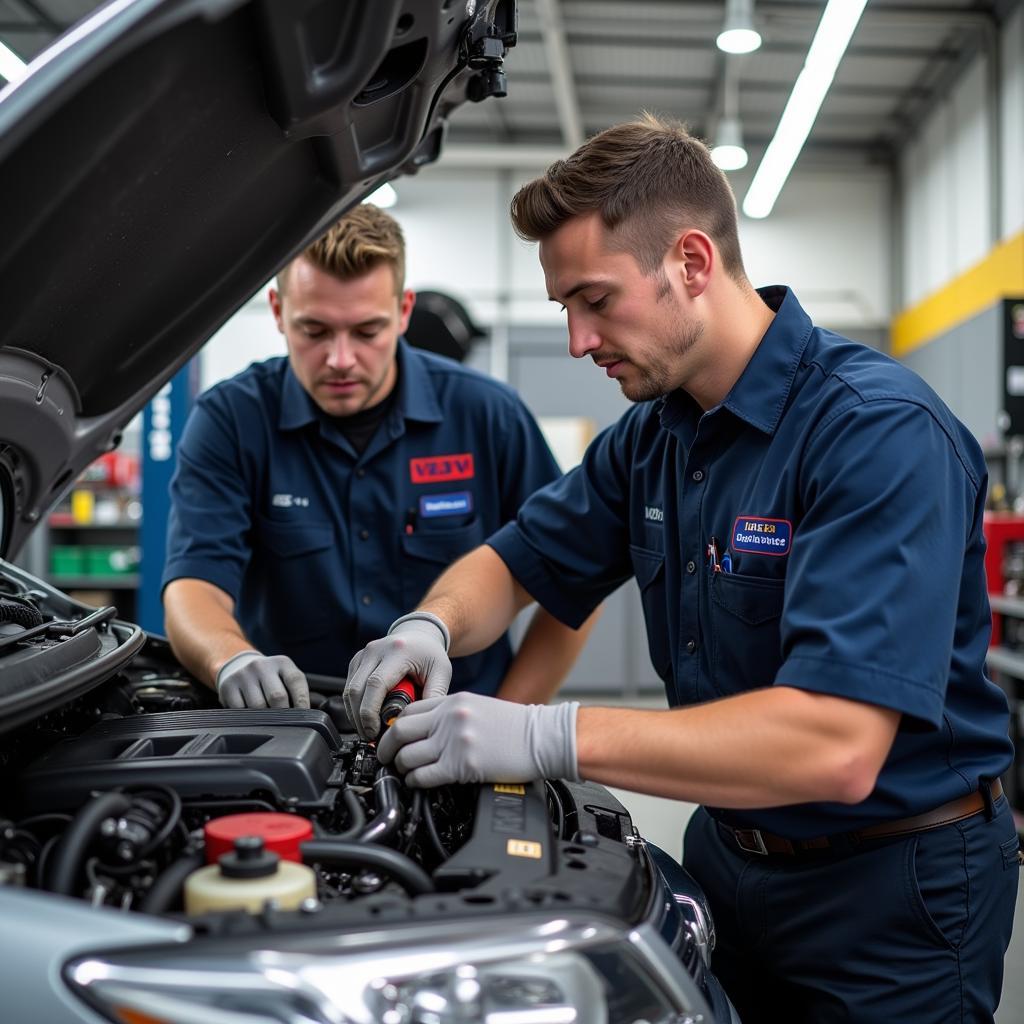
(111, 560)
(67, 560)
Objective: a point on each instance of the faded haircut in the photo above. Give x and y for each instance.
(649, 179)
(359, 242)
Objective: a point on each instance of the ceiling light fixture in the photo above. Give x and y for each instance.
(11, 65)
(830, 41)
(384, 197)
(738, 34)
(728, 152)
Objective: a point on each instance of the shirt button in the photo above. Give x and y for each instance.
(366, 599)
(691, 567)
(698, 475)
(364, 534)
(360, 472)
(691, 646)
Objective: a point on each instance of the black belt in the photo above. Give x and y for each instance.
(755, 840)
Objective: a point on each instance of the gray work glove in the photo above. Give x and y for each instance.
(254, 680)
(416, 646)
(471, 738)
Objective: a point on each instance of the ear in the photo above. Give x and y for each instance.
(274, 298)
(696, 259)
(407, 301)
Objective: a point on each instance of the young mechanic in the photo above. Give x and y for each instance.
(317, 496)
(804, 518)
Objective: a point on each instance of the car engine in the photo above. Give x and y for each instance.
(119, 794)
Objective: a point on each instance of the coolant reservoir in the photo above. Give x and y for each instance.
(246, 878)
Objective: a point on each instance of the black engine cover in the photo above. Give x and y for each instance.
(219, 753)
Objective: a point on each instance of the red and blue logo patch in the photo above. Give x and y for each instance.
(761, 536)
(438, 468)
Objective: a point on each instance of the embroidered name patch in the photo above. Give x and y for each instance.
(432, 505)
(760, 535)
(438, 468)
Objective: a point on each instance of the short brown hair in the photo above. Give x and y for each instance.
(649, 179)
(359, 242)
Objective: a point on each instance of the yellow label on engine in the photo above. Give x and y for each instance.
(503, 787)
(524, 848)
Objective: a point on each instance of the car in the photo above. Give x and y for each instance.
(163, 859)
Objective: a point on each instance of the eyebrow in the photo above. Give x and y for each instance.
(579, 287)
(377, 321)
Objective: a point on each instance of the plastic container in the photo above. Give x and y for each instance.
(246, 879)
(281, 834)
(67, 560)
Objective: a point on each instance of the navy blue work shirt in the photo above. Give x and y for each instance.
(846, 501)
(321, 548)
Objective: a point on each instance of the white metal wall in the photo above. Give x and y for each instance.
(951, 215)
(828, 238)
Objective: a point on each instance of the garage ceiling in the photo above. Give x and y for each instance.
(581, 65)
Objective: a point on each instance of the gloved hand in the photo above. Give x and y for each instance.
(471, 738)
(417, 646)
(254, 680)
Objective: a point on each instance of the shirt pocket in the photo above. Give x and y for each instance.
(746, 647)
(427, 553)
(649, 570)
(298, 563)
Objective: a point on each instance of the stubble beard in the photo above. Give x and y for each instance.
(657, 378)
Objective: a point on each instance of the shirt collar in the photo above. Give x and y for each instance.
(416, 399)
(761, 393)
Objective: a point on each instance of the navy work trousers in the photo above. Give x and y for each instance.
(907, 929)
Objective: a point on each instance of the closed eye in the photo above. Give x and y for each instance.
(598, 304)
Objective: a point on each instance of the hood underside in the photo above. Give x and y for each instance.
(167, 157)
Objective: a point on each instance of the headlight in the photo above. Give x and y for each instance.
(507, 971)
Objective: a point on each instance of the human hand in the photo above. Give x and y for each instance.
(254, 680)
(471, 738)
(417, 646)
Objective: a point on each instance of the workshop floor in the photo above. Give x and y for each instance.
(662, 822)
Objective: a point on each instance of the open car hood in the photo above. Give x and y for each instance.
(165, 158)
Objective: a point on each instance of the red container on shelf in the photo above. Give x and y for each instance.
(1001, 529)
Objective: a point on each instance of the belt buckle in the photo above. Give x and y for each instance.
(757, 846)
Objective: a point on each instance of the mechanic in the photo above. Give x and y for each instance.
(317, 496)
(804, 518)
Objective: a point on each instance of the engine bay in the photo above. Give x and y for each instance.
(114, 794)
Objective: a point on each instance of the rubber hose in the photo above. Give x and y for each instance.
(356, 816)
(347, 854)
(67, 857)
(390, 812)
(165, 892)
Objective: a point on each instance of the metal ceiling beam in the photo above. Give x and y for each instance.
(704, 45)
(566, 100)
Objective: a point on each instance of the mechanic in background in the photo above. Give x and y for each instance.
(804, 518)
(317, 496)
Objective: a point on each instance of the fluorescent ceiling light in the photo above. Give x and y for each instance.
(383, 197)
(11, 65)
(830, 41)
(738, 34)
(729, 152)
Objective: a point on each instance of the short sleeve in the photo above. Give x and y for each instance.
(209, 526)
(874, 576)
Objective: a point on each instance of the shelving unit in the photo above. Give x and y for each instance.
(1006, 664)
(90, 545)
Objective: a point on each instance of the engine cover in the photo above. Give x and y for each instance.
(220, 753)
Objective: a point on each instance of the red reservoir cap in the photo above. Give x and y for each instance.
(281, 834)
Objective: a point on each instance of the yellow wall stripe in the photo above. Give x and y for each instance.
(1000, 275)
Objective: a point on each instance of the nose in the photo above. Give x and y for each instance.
(340, 356)
(583, 339)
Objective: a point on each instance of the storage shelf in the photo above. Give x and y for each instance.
(1003, 660)
(121, 524)
(1007, 605)
(127, 581)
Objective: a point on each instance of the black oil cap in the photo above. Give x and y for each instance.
(248, 859)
